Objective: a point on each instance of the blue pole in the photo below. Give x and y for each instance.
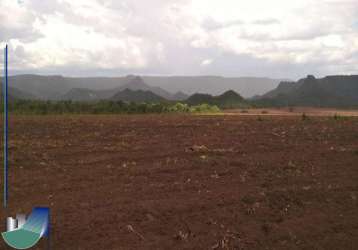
(49, 231)
(5, 93)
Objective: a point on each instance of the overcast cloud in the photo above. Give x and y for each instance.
(276, 38)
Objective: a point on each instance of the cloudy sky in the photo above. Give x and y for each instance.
(276, 38)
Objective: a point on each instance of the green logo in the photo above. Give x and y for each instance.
(24, 234)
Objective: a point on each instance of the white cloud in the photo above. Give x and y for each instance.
(181, 36)
(206, 62)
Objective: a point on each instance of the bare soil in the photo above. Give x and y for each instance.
(188, 182)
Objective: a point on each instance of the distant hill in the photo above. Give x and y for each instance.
(282, 88)
(10, 95)
(42, 87)
(330, 91)
(82, 94)
(14, 93)
(213, 85)
(54, 87)
(83, 88)
(129, 95)
(180, 96)
(132, 83)
(229, 99)
(19, 94)
(137, 83)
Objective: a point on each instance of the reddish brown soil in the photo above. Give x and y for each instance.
(188, 182)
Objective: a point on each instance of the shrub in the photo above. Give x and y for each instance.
(204, 108)
(338, 117)
(304, 117)
(179, 107)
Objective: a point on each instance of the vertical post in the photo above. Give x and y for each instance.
(49, 230)
(5, 94)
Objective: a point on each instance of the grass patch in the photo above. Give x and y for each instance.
(248, 199)
(304, 117)
(338, 117)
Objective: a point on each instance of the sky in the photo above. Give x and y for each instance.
(276, 38)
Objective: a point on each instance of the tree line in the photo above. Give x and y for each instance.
(103, 107)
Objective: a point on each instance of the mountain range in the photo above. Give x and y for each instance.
(129, 95)
(57, 87)
(330, 91)
(82, 89)
(133, 83)
(14, 93)
(214, 85)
